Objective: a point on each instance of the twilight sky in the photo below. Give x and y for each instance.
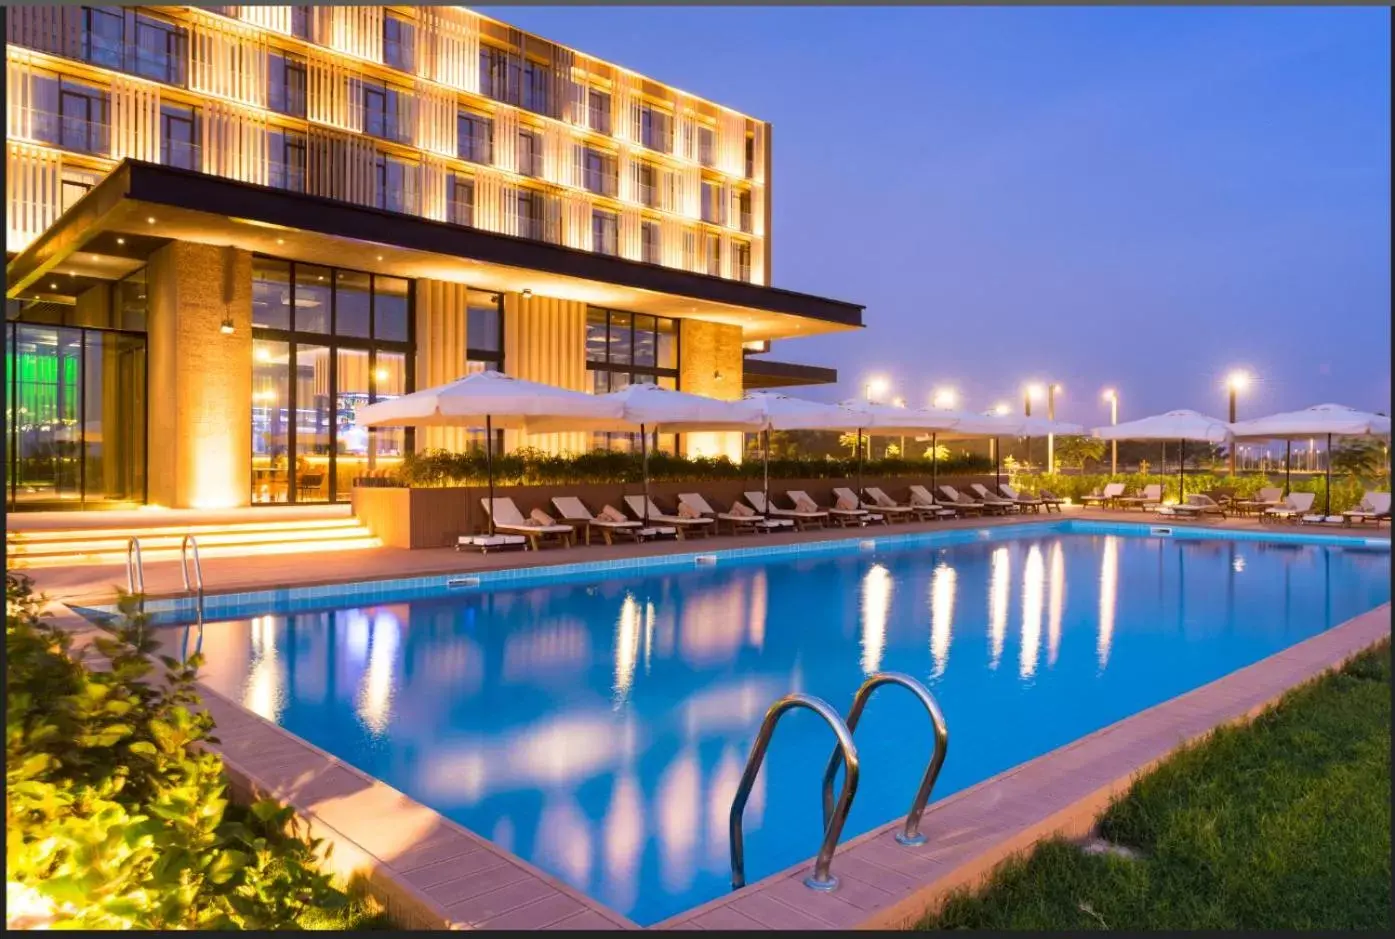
(1138, 198)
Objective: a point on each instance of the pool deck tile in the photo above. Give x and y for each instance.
(536, 915)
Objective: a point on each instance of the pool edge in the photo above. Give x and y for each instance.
(1060, 793)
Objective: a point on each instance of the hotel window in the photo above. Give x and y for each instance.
(460, 201)
(712, 204)
(713, 252)
(179, 136)
(499, 77)
(286, 160)
(160, 50)
(75, 184)
(82, 118)
(104, 36)
(647, 192)
(300, 22)
(741, 260)
(325, 342)
(484, 331)
(598, 110)
(707, 140)
(399, 42)
(628, 348)
(529, 152)
(476, 137)
(599, 171)
(649, 242)
(398, 189)
(529, 212)
(537, 88)
(750, 157)
(605, 228)
(385, 112)
(286, 85)
(743, 208)
(655, 129)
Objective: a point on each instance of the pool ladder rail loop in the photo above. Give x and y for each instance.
(821, 878)
(186, 546)
(135, 568)
(909, 835)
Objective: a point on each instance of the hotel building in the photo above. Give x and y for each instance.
(228, 228)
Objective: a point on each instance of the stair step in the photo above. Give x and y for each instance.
(357, 541)
(118, 543)
(178, 531)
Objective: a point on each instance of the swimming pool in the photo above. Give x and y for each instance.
(596, 724)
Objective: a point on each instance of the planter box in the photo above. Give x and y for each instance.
(436, 517)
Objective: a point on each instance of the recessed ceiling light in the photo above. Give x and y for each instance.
(280, 241)
(150, 219)
(380, 257)
(52, 286)
(121, 241)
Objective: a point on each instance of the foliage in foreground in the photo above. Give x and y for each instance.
(1346, 491)
(116, 816)
(1280, 824)
(528, 467)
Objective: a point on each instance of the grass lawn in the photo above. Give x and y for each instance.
(1283, 823)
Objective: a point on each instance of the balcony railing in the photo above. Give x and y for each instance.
(67, 131)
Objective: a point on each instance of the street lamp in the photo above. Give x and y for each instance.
(1112, 397)
(1237, 382)
(900, 403)
(1029, 394)
(946, 398)
(875, 389)
(1051, 416)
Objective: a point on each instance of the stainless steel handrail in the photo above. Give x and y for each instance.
(135, 568)
(184, 546)
(821, 878)
(910, 833)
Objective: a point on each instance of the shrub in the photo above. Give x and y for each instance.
(531, 467)
(116, 813)
(1346, 492)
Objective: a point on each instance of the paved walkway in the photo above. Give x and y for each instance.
(97, 583)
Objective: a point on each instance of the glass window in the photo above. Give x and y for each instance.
(604, 232)
(537, 87)
(398, 189)
(312, 298)
(387, 445)
(713, 252)
(160, 50)
(375, 109)
(706, 146)
(313, 421)
(529, 152)
(741, 260)
(271, 412)
(286, 169)
(597, 338)
(647, 191)
(353, 293)
(460, 208)
(75, 184)
(649, 242)
(667, 332)
(475, 137)
(484, 324)
(645, 343)
(743, 207)
(129, 303)
(179, 136)
(655, 129)
(286, 89)
(391, 308)
(82, 110)
(271, 293)
(104, 41)
(599, 171)
(354, 381)
(529, 208)
(620, 345)
(598, 110)
(499, 75)
(399, 42)
(750, 157)
(711, 203)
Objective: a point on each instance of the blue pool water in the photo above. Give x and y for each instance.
(597, 726)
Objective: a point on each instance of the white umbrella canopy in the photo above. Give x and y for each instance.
(650, 406)
(888, 419)
(1320, 420)
(1180, 425)
(497, 400)
(782, 412)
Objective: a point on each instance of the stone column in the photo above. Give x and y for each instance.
(710, 364)
(441, 324)
(200, 443)
(545, 341)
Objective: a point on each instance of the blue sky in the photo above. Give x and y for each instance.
(1131, 197)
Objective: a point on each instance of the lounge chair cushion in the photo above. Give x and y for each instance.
(611, 514)
(541, 517)
(687, 511)
(846, 503)
(804, 503)
(742, 510)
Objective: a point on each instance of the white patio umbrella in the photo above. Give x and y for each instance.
(1329, 420)
(1174, 425)
(893, 420)
(648, 407)
(492, 399)
(979, 426)
(781, 412)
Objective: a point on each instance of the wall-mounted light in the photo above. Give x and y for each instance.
(381, 374)
(717, 375)
(121, 241)
(227, 329)
(527, 293)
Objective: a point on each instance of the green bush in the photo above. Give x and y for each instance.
(116, 814)
(1346, 491)
(531, 467)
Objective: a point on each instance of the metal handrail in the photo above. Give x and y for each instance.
(135, 567)
(910, 834)
(820, 879)
(184, 546)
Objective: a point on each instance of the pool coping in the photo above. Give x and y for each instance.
(431, 872)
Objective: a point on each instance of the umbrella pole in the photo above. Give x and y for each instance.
(765, 449)
(934, 465)
(644, 460)
(1327, 510)
(1288, 468)
(489, 466)
(998, 464)
(1182, 472)
(859, 464)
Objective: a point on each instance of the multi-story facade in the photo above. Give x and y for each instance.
(228, 228)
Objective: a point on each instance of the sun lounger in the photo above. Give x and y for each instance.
(922, 499)
(1295, 504)
(1320, 519)
(1023, 502)
(841, 515)
(747, 521)
(683, 525)
(487, 543)
(1049, 500)
(883, 502)
(510, 521)
(1374, 507)
(801, 518)
(573, 510)
(1111, 492)
(982, 493)
(1149, 497)
(892, 511)
(954, 497)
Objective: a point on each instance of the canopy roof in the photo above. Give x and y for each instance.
(655, 407)
(1316, 421)
(782, 412)
(1174, 425)
(506, 402)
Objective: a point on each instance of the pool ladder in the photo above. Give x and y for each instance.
(135, 583)
(835, 812)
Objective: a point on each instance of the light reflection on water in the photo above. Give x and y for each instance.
(600, 730)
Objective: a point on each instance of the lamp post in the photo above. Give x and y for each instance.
(1237, 382)
(900, 403)
(1030, 393)
(1112, 397)
(876, 387)
(1051, 390)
